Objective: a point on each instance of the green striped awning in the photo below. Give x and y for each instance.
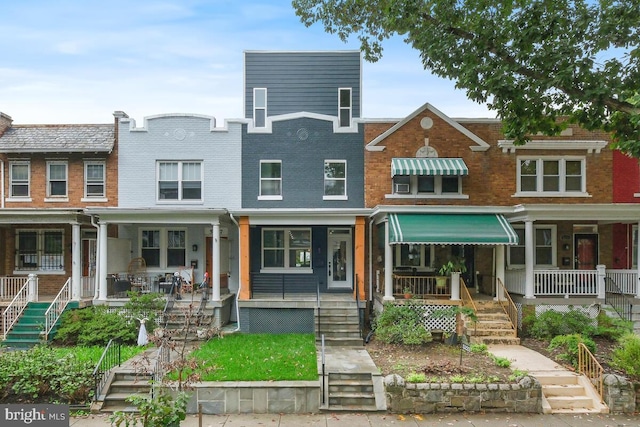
(451, 229)
(428, 166)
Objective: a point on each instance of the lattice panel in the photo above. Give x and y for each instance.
(591, 311)
(431, 323)
(277, 321)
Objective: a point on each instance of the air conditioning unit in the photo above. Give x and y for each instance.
(402, 188)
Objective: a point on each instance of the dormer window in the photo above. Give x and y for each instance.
(260, 107)
(344, 106)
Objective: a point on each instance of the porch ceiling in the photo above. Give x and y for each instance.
(452, 229)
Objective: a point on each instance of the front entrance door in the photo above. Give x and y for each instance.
(340, 259)
(89, 250)
(586, 251)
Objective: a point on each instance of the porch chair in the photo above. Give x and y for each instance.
(137, 272)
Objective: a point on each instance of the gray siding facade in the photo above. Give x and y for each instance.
(302, 81)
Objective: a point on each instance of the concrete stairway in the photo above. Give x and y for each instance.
(338, 321)
(351, 392)
(119, 387)
(182, 322)
(492, 327)
(566, 392)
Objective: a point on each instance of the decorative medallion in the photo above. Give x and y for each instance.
(302, 134)
(179, 134)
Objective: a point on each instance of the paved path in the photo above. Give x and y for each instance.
(525, 359)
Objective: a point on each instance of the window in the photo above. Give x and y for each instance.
(94, 179)
(284, 248)
(544, 251)
(563, 176)
(163, 248)
(41, 250)
(180, 180)
(19, 175)
(344, 106)
(260, 107)
(270, 180)
(414, 256)
(335, 179)
(56, 179)
(427, 185)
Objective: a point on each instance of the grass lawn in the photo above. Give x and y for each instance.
(92, 353)
(259, 357)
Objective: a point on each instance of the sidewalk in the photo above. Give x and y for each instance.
(395, 420)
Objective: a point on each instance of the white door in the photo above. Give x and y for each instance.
(339, 262)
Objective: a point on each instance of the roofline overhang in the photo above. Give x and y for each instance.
(38, 216)
(174, 215)
(602, 213)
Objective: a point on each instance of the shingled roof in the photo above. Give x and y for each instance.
(68, 138)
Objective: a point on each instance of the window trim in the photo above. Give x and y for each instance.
(259, 108)
(341, 108)
(180, 182)
(13, 197)
(562, 177)
(325, 179)
(437, 194)
(163, 245)
(554, 246)
(40, 251)
(103, 196)
(286, 248)
(261, 179)
(65, 196)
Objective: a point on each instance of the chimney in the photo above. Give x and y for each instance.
(5, 123)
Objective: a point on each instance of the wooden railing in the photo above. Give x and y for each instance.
(422, 286)
(465, 296)
(15, 308)
(626, 281)
(589, 367)
(508, 305)
(565, 282)
(56, 308)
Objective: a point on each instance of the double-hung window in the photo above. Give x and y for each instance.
(426, 185)
(286, 249)
(180, 180)
(57, 178)
(94, 179)
(260, 107)
(270, 180)
(19, 178)
(548, 176)
(163, 248)
(335, 179)
(40, 250)
(344, 107)
(544, 242)
(413, 256)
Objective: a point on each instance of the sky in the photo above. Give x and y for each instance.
(78, 61)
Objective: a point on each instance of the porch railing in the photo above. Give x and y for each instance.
(589, 367)
(508, 305)
(626, 281)
(465, 296)
(515, 281)
(15, 308)
(88, 287)
(422, 286)
(10, 286)
(56, 308)
(554, 282)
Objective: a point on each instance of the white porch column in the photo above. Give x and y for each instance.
(600, 277)
(76, 270)
(32, 289)
(529, 259)
(500, 251)
(215, 254)
(102, 244)
(455, 286)
(638, 266)
(388, 266)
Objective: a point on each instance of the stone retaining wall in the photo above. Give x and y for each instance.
(257, 397)
(525, 396)
(620, 394)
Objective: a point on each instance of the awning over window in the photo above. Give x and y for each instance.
(451, 229)
(428, 166)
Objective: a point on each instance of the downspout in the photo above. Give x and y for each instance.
(2, 179)
(239, 275)
(370, 260)
(98, 266)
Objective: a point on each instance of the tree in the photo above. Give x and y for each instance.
(535, 62)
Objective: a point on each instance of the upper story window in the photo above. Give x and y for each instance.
(260, 107)
(57, 179)
(427, 177)
(163, 248)
(180, 180)
(19, 179)
(344, 106)
(40, 250)
(545, 243)
(286, 249)
(551, 176)
(335, 179)
(270, 180)
(427, 185)
(94, 179)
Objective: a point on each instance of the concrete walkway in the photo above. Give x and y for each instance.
(525, 359)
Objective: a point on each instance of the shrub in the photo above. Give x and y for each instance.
(479, 348)
(415, 377)
(568, 345)
(502, 362)
(627, 355)
(401, 324)
(552, 323)
(95, 326)
(147, 306)
(612, 327)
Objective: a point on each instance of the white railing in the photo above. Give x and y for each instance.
(88, 287)
(14, 310)
(626, 281)
(56, 308)
(10, 286)
(515, 281)
(565, 282)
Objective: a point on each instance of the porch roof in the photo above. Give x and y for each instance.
(452, 229)
(428, 166)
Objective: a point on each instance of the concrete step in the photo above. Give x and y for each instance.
(554, 390)
(341, 341)
(569, 402)
(488, 340)
(482, 332)
(558, 378)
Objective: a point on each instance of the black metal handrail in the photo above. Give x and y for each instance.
(318, 304)
(111, 356)
(621, 303)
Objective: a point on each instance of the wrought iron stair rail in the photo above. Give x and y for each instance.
(111, 356)
(616, 298)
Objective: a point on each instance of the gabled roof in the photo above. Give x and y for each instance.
(376, 144)
(68, 138)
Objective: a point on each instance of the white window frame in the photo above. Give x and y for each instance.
(334, 179)
(437, 193)
(180, 181)
(163, 245)
(554, 246)
(13, 181)
(102, 182)
(270, 179)
(348, 109)
(57, 197)
(562, 177)
(262, 109)
(286, 248)
(39, 257)
(426, 263)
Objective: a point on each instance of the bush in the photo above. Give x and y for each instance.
(612, 327)
(552, 323)
(626, 356)
(401, 324)
(147, 306)
(568, 345)
(95, 326)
